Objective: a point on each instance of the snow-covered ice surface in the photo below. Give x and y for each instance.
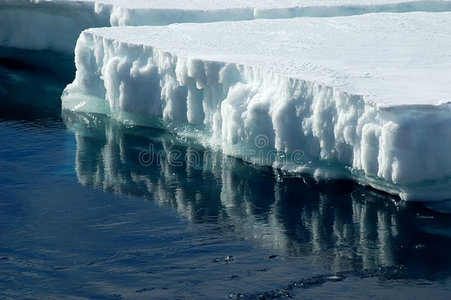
(56, 24)
(364, 97)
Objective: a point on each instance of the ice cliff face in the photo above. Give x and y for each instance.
(267, 117)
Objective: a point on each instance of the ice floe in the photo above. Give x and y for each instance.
(362, 96)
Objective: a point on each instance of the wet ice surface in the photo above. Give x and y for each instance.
(81, 215)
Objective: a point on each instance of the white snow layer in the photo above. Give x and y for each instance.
(363, 96)
(56, 24)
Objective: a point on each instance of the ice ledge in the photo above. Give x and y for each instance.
(226, 85)
(56, 24)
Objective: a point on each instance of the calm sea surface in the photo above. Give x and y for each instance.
(90, 208)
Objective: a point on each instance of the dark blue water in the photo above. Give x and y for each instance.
(93, 209)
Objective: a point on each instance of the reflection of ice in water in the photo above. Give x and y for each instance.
(333, 222)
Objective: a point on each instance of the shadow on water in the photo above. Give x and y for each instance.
(342, 225)
(31, 83)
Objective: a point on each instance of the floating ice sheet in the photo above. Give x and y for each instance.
(362, 96)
